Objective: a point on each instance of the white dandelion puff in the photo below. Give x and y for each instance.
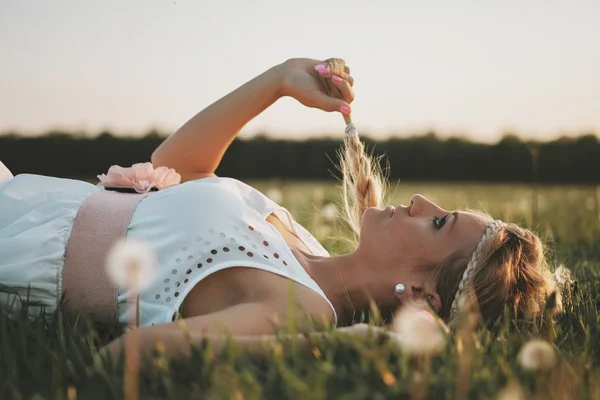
(131, 264)
(537, 355)
(329, 212)
(418, 331)
(562, 275)
(275, 195)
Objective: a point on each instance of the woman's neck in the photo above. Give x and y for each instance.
(346, 280)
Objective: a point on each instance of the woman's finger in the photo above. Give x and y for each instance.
(318, 99)
(325, 72)
(344, 87)
(347, 70)
(349, 78)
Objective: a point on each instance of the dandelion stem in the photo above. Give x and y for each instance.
(420, 378)
(132, 351)
(132, 366)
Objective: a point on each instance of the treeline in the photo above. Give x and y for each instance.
(422, 158)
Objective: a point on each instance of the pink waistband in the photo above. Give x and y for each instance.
(102, 220)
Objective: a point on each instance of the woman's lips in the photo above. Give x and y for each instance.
(391, 210)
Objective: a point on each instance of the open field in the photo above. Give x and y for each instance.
(59, 359)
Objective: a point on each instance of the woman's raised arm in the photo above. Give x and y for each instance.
(196, 149)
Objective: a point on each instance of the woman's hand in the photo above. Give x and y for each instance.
(364, 330)
(113, 349)
(304, 80)
(196, 149)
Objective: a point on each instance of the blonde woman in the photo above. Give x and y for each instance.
(229, 255)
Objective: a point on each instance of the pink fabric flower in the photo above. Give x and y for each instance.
(142, 177)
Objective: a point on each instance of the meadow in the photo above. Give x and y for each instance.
(58, 358)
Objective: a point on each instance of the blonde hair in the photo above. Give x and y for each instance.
(512, 266)
(363, 184)
(513, 273)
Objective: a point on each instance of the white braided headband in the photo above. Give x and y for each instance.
(474, 264)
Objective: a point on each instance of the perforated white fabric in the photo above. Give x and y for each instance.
(203, 226)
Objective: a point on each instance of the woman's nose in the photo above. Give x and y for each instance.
(420, 204)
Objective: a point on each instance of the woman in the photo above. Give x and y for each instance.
(205, 225)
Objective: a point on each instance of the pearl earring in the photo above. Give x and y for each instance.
(400, 288)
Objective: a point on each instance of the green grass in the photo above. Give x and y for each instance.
(42, 359)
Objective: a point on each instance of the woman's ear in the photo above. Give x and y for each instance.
(435, 301)
(430, 298)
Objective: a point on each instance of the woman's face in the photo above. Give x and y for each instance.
(418, 235)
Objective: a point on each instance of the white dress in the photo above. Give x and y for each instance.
(202, 226)
(196, 228)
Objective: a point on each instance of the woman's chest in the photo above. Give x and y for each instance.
(236, 285)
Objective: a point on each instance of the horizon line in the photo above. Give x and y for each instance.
(311, 136)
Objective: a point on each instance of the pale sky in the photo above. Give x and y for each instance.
(478, 68)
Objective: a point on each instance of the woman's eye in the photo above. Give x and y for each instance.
(439, 222)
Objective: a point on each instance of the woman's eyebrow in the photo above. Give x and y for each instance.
(455, 215)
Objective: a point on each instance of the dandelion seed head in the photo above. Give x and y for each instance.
(418, 331)
(537, 355)
(562, 275)
(131, 264)
(329, 212)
